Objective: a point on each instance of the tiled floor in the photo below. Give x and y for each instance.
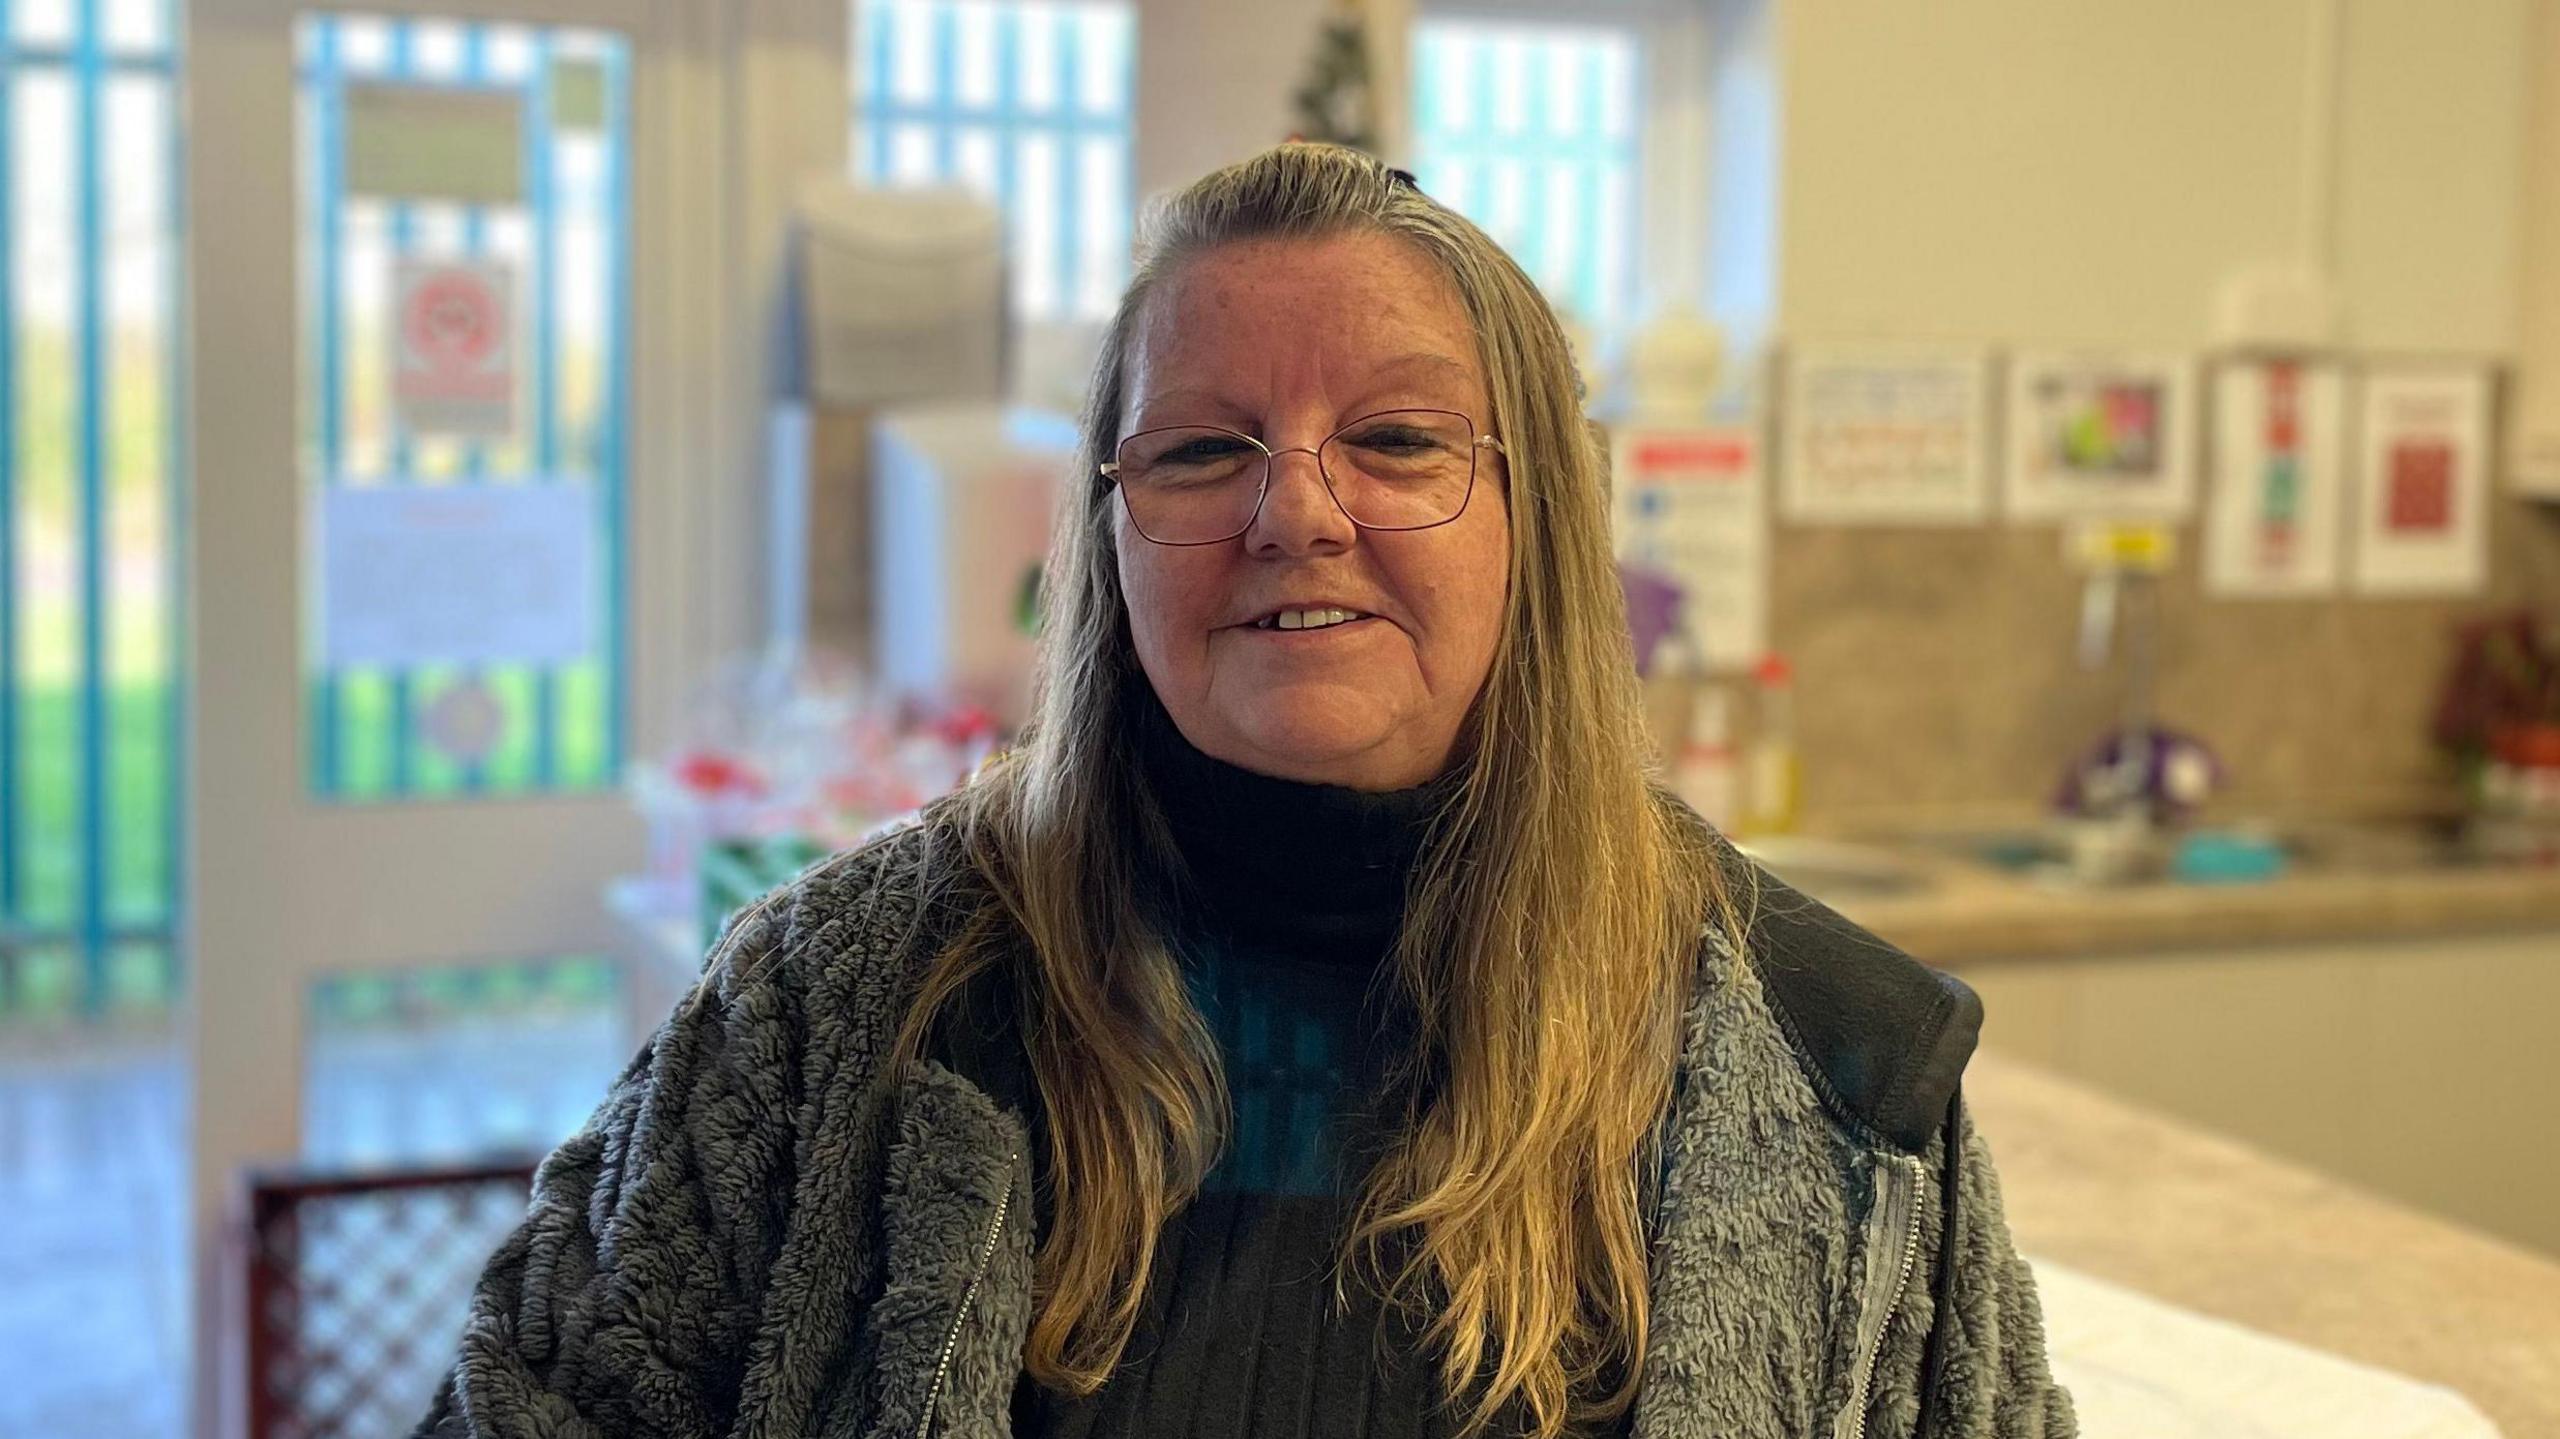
(93, 1268)
(93, 1328)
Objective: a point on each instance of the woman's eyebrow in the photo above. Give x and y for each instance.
(1185, 397)
(1386, 372)
(1428, 359)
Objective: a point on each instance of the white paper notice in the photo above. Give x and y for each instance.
(1877, 435)
(459, 574)
(2275, 523)
(1691, 504)
(453, 363)
(2422, 447)
(2101, 437)
(463, 145)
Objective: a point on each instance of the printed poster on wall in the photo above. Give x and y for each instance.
(2101, 437)
(1885, 435)
(1691, 504)
(2275, 520)
(2422, 489)
(453, 369)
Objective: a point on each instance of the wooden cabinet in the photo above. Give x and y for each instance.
(2427, 1071)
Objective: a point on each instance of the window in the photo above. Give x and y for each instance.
(1529, 129)
(90, 368)
(1026, 102)
(533, 198)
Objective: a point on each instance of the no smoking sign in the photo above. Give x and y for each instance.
(453, 371)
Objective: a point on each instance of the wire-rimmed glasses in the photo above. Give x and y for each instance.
(1393, 470)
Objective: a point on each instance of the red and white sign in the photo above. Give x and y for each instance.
(2275, 518)
(2422, 486)
(1692, 505)
(453, 370)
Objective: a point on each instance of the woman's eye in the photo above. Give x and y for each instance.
(1396, 440)
(1201, 452)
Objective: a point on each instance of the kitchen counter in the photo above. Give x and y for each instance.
(2208, 1224)
(1964, 912)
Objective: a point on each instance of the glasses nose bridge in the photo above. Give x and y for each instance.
(1271, 465)
(1271, 472)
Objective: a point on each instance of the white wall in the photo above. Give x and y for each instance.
(2089, 170)
(2536, 436)
(1214, 82)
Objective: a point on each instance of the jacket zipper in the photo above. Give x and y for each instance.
(1853, 1420)
(968, 1300)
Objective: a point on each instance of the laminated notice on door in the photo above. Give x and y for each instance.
(435, 142)
(457, 574)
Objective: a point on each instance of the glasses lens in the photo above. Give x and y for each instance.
(1403, 469)
(1191, 484)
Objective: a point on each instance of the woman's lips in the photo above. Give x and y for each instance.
(1306, 636)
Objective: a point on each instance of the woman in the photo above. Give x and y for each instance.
(1319, 1024)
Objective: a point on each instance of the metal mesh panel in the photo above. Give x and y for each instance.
(356, 1289)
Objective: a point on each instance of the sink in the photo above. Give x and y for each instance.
(1834, 870)
(1848, 872)
(2043, 852)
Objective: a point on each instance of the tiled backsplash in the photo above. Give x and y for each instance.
(1937, 673)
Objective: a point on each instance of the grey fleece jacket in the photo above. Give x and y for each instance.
(767, 1230)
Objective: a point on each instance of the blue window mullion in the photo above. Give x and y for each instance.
(119, 62)
(876, 138)
(10, 696)
(328, 162)
(1489, 170)
(174, 488)
(539, 183)
(1008, 115)
(475, 457)
(1070, 216)
(946, 87)
(1125, 131)
(403, 723)
(1592, 180)
(95, 816)
(616, 475)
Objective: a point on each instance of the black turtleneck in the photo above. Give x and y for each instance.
(1283, 917)
(1282, 914)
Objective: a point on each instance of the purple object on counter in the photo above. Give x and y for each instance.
(2169, 772)
(1654, 600)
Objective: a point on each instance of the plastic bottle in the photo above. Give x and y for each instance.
(1708, 775)
(1776, 776)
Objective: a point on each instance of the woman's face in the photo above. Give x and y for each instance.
(1287, 341)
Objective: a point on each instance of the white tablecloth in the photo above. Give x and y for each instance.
(2141, 1369)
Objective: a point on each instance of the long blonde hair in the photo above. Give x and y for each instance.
(1552, 923)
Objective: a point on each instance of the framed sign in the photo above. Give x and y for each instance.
(2275, 519)
(1692, 506)
(2101, 437)
(2422, 487)
(1885, 435)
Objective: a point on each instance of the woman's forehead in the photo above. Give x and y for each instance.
(1357, 288)
(1353, 310)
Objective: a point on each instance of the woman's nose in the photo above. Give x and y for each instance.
(1299, 513)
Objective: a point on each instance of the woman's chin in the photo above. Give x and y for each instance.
(1324, 744)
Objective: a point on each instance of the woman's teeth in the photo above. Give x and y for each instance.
(1307, 619)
